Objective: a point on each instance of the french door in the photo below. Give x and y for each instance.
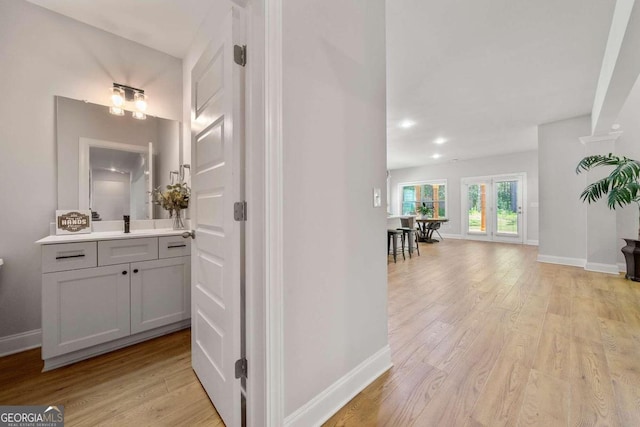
(492, 208)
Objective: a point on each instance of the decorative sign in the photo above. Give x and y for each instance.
(73, 222)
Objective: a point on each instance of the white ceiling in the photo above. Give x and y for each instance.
(480, 73)
(165, 25)
(484, 73)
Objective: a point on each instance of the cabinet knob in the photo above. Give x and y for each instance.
(124, 273)
(135, 270)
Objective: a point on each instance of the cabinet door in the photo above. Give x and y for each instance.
(160, 292)
(82, 308)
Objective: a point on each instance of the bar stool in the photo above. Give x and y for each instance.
(393, 235)
(406, 234)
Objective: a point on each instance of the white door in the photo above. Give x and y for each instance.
(217, 251)
(507, 218)
(492, 208)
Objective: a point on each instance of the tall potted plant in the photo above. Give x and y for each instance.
(621, 187)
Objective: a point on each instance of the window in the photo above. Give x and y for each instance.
(433, 194)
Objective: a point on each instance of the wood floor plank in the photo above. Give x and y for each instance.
(546, 401)
(553, 354)
(501, 400)
(628, 403)
(592, 399)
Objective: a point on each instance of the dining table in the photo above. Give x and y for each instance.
(426, 227)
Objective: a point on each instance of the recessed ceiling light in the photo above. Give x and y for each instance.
(406, 124)
(436, 156)
(440, 141)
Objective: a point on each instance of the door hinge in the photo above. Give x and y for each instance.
(241, 368)
(240, 211)
(240, 54)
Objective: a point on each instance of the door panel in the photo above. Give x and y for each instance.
(508, 209)
(159, 293)
(84, 308)
(217, 180)
(476, 195)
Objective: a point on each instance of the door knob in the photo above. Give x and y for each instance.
(188, 234)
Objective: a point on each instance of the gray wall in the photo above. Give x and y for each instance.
(629, 145)
(334, 118)
(563, 216)
(453, 172)
(44, 54)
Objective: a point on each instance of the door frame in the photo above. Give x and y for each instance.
(491, 178)
(264, 227)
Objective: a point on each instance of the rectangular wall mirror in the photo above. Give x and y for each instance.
(109, 164)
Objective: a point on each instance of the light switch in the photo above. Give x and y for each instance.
(377, 198)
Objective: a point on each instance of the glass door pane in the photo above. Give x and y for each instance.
(508, 208)
(476, 200)
(477, 208)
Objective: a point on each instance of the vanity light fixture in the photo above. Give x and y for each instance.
(121, 94)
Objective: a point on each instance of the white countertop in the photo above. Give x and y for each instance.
(108, 235)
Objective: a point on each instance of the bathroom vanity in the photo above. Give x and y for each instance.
(106, 290)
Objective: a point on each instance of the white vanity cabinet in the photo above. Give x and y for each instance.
(106, 294)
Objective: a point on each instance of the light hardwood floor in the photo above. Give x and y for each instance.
(147, 384)
(481, 335)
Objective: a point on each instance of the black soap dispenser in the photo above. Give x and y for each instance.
(126, 223)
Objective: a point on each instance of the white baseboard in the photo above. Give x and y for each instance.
(20, 342)
(450, 236)
(622, 267)
(323, 406)
(602, 268)
(532, 243)
(574, 262)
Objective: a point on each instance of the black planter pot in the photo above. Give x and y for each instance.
(632, 257)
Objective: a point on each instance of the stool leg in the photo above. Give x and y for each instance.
(395, 248)
(388, 244)
(403, 257)
(417, 245)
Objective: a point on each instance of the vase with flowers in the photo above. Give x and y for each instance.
(174, 199)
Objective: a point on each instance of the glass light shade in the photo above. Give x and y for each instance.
(138, 115)
(140, 101)
(116, 111)
(117, 97)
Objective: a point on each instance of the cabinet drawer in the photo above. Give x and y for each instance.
(173, 246)
(69, 256)
(112, 252)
